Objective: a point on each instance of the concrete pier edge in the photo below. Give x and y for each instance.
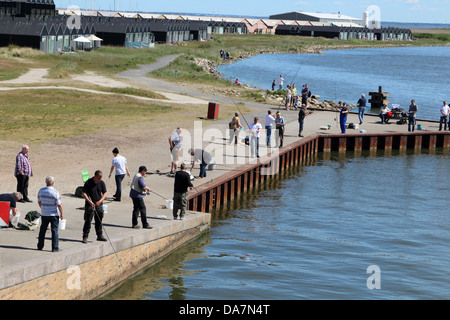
(88, 271)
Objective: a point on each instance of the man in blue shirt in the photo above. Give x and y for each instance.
(362, 108)
(50, 202)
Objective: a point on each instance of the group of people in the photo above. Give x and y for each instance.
(272, 124)
(201, 156)
(224, 55)
(95, 193)
(292, 97)
(386, 113)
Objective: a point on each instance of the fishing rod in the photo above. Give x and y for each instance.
(240, 112)
(158, 195)
(104, 230)
(298, 70)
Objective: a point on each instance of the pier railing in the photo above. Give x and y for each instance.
(227, 187)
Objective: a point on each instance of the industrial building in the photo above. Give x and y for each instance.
(27, 8)
(346, 33)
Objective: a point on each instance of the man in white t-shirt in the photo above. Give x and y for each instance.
(444, 116)
(120, 164)
(270, 120)
(255, 129)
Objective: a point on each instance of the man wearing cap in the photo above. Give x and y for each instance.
(280, 124)
(180, 192)
(94, 192)
(301, 118)
(120, 163)
(137, 193)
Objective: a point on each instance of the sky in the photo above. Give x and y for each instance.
(417, 11)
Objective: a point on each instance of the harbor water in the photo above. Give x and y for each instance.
(322, 231)
(407, 73)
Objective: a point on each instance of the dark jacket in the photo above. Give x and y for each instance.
(182, 182)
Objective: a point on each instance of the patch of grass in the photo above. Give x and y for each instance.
(45, 114)
(64, 69)
(445, 37)
(136, 92)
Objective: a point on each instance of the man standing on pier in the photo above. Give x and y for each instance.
(444, 116)
(270, 120)
(137, 193)
(413, 108)
(94, 192)
(361, 108)
(180, 194)
(255, 129)
(23, 172)
(49, 201)
(343, 117)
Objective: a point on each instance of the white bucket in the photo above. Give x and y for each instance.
(169, 204)
(62, 224)
(37, 221)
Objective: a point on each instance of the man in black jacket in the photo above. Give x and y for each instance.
(180, 195)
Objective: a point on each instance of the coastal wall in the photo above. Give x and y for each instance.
(87, 272)
(218, 192)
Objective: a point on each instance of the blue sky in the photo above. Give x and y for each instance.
(423, 11)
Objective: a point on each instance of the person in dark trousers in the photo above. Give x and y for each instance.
(120, 164)
(301, 119)
(180, 192)
(343, 117)
(444, 116)
(94, 192)
(306, 93)
(280, 126)
(49, 201)
(23, 172)
(202, 156)
(413, 108)
(137, 193)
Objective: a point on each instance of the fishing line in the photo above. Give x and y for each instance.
(240, 112)
(298, 70)
(104, 230)
(158, 195)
